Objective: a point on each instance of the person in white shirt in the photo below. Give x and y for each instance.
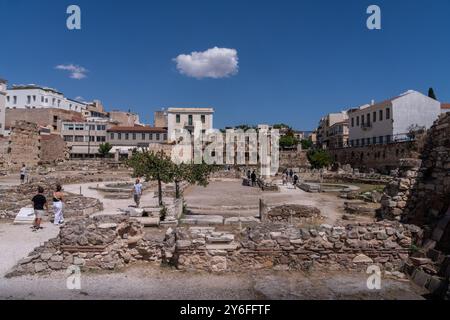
(23, 173)
(137, 192)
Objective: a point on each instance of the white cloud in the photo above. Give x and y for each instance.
(76, 72)
(213, 63)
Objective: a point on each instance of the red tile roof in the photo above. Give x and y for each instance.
(445, 106)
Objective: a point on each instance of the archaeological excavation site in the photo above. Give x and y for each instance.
(334, 228)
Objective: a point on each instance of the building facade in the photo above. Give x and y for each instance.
(2, 106)
(391, 120)
(185, 118)
(338, 135)
(137, 136)
(324, 130)
(84, 138)
(35, 97)
(445, 107)
(124, 119)
(160, 119)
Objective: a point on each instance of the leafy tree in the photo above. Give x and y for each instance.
(431, 94)
(281, 126)
(319, 158)
(153, 166)
(104, 149)
(192, 173)
(306, 144)
(288, 141)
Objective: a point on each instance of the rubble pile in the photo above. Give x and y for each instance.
(97, 243)
(285, 247)
(294, 213)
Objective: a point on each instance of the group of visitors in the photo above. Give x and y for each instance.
(251, 176)
(289, 176)
(40, 205)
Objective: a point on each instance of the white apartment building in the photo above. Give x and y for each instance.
(185, 118)
(2, 106)
(34, 97)
(390, 120)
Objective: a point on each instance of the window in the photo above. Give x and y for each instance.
(380, 139)
(34, 98)
(53, 101)
(381, 115)
(68, 138)
(203, 118)
(357, 121)
(368, 141)
(134, 136)
(7, 98)
(111, 135)
(143, 136)
(79, 138)
(119, 136)
(42, 99)
(91, 138)
(127, 136)
(353, 122)
(388, 139)
(165, 136)
(362, 120)
(150, 136)
(190, 120)
(178, 118)
(157, 136)
(374, 140)
(101, 139)
(15, 99)
(92, 127)
(374, 116)
(368, 119)
(362, 142)
(79, 127)
(68, 126)
(388, 113)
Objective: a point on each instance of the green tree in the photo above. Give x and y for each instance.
(319, 158)
(431, 94)
(153, 166)
(281, 126)
(306, 144)
(104, 149)
(198, 174)
(288, 141)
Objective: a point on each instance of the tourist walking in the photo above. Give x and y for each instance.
(137, 192)
(23, 173)
(284, 177)
(291, 173)
(295, 180)
(39, 203)
(58, 198)
(253, 178)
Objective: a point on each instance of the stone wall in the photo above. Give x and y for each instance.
(293, 159)
(293, 214)
(285, 247)
(24, 145)
(41, 117)
(383, 157)
(53, 149)
(98, 243)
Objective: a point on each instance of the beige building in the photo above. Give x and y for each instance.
(2, 106)
(124, 119)
(84, 138)
(160, 119)
(324, 131)
(185, 118)
(338, 135)
(95, 109)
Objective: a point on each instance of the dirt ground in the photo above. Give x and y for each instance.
(152, 282)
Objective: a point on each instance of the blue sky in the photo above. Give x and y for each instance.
(298, 60)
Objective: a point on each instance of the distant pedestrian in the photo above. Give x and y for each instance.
(39, 203)
(137, 192)
(295, 180)
(253, 177)
(291, 173)
(58, 198)
(284, 177)
(249, 175)
(23, 173)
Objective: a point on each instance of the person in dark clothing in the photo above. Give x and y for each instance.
(291, 173)
(249, 174)
(39, 203)
(295, 180)
(253, 178)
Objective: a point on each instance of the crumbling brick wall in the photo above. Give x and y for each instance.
(53, 149)
(24, 145)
